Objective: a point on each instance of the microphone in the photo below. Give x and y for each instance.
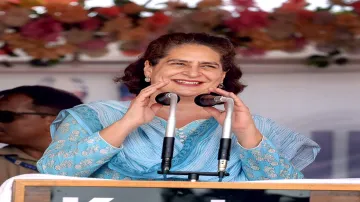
(167, 99)
(208, 100)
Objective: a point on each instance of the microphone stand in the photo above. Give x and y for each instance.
(168, 144)
(169, 139)
(225, 142)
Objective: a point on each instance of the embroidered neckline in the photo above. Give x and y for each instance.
(183, 132)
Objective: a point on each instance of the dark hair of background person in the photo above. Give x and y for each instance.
(44, 96)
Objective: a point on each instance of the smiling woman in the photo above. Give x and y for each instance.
(180, 56)
(123, 140)
(183, 67)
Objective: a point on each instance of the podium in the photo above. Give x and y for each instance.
(87, 190)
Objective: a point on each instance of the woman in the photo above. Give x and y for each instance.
(123, 140)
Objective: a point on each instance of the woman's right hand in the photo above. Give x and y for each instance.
(140, 110)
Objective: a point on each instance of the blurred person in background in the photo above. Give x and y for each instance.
(26, 113)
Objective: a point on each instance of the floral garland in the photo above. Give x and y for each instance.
(67, 28)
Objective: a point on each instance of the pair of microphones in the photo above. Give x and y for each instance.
(203, 100)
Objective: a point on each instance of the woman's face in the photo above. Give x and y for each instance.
(191, 69)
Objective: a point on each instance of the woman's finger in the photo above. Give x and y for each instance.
(146, 95)
(237, 101)
(151, 89)
(220, 91)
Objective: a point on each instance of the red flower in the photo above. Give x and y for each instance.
(244, 3)
(249, 19)
(159, 19)
(45, 29)
(356, 6)
(112, 12)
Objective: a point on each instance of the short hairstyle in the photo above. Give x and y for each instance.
(44, 96)
(134, 77)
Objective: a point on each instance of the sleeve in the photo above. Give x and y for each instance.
(77, 149)
(282, 153)
(264, 162)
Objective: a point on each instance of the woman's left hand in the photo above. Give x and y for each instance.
(243, 125)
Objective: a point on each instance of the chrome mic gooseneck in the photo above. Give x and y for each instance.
(208, 100)
(168, 144)
(225, 142)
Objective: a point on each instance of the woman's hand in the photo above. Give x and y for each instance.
(140, 110)
(243, 125)
(138, 113)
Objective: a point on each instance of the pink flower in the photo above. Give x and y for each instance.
(94, 44)
(248, 19)
(244, 3)
(45, 29)
(90, 24)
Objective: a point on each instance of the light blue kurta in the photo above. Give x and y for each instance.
(77, 149)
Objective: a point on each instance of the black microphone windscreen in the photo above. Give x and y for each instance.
(163, 99)
(207, 100)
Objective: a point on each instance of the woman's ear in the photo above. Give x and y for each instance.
(147, 69)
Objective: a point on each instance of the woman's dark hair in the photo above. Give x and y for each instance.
(134, 77)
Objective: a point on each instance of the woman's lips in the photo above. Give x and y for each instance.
(187, 82)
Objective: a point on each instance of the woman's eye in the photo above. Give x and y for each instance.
(179, 63)
(209, 66)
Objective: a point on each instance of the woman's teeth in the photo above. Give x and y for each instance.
(187, 82)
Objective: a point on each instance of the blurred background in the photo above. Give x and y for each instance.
(300, 58)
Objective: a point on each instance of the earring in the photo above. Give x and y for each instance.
(147, 79)
(221, 85)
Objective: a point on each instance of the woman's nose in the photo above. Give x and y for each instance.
(194, 71)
